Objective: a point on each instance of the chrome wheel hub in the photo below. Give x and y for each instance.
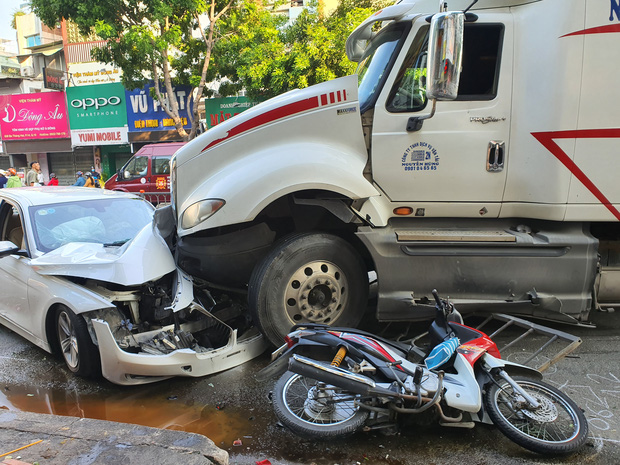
(316, 293)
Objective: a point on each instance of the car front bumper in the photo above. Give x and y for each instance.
(126, 368)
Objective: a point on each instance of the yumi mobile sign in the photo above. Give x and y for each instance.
(98, 114)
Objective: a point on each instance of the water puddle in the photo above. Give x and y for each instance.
(222, 425)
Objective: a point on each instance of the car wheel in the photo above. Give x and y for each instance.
(78, 351)
(308, 278)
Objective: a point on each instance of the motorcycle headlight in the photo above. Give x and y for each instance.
(200, 211)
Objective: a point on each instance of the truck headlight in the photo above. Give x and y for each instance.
(200, 211)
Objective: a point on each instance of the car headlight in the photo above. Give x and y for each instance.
(200, 211)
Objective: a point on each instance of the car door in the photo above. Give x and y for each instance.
(160, 169)
(16, 278)
(135, 173)
(458, 155)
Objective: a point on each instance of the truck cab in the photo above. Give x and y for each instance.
(504, 197)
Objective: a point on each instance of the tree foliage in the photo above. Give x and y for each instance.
(241, 42)
(162, 40)
(261, 53)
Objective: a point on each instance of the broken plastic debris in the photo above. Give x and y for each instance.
(263, 462)
(237, 442)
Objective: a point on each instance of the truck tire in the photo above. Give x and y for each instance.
(308, 278)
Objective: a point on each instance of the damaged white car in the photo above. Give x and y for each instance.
(85, 272)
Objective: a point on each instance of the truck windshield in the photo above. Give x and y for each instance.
(374, 66)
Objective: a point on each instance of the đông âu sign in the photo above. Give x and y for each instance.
(41, 115)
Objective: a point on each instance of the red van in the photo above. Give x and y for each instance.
(147, 171)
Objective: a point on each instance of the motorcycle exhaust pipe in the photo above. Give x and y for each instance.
(335, 376)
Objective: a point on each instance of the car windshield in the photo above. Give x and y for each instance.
(110, 222)
(375, 61)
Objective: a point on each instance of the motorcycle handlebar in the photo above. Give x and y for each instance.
(437, 299)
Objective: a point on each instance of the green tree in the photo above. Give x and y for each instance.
(261, 53)
(164, 40)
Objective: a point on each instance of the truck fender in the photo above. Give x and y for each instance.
(291, 168)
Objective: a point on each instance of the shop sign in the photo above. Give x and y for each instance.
(98, 106)
(97, 114)
(9, 67)
(10, 71)
(34, 116)
(144, 113)
(223, 108)
(53, 79)
(87, 74)
(103, 136)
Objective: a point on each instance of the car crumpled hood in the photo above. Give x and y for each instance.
(145, 258)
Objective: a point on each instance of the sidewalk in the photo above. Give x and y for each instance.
(29, 438)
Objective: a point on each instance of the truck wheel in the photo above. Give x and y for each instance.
(308, 278)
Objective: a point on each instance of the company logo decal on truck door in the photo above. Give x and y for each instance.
(420, 156)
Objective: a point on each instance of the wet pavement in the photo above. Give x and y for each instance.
(234, 410)
(32, 438)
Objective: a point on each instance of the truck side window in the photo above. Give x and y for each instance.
(161, 165)
(380, 54)
(409, 91)
(481, 59)
(479, 75)
(137, 166)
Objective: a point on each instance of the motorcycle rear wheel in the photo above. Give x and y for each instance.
(312, 409)
(557, 427)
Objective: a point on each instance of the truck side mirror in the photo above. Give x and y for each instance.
(445, 48)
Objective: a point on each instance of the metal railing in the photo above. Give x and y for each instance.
(159, 199)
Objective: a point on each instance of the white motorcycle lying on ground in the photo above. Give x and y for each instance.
(369, 381)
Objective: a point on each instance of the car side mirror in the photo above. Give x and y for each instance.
(8, 248)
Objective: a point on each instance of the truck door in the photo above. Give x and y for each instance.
(460, 155)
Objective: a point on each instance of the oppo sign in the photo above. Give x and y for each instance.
(96, 103)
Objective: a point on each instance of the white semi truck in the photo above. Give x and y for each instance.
(504, 196)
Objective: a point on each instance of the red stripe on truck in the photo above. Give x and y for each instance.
(547, 140)
(268, 117)
(611, 28)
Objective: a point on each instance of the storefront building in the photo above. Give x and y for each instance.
(98, 119)
(148, 122)
(35, 124)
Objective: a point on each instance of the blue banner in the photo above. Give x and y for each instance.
(146, 114)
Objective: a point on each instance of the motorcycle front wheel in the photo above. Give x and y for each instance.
(312, 409)
(556, 427)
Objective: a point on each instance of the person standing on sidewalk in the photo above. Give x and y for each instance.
(3, 179)
(32, 178)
